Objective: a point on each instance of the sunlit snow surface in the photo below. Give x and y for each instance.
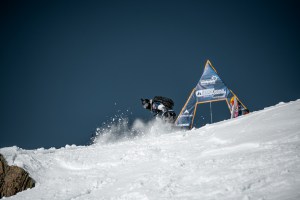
(252, 157)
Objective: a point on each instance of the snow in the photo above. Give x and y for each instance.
(255, 156)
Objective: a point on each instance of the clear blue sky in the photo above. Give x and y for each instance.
(68, 66)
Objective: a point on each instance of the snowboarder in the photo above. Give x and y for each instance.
(161, 107)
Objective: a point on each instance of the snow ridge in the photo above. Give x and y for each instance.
(256, 156)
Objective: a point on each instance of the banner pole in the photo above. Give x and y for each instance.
(211, 119)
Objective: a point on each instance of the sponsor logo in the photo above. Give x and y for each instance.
(186, 114)
(183, 124)
(211, 92)
(210, 81)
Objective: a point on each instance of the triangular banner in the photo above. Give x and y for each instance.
(210, 88)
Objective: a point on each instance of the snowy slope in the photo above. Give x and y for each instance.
(252, 157)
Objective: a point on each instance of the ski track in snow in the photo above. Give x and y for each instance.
(256, 156)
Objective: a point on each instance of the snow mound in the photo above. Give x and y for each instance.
(256, 156)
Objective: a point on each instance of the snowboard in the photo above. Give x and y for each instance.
(234, 109)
